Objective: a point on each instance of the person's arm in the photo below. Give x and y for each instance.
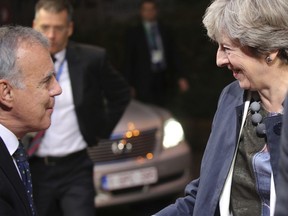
(183, 205)
(116, 92)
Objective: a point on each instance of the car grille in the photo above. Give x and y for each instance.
(140, 146)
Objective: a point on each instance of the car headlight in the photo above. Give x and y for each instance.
(173, 133)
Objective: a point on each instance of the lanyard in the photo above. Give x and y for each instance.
(60, 70)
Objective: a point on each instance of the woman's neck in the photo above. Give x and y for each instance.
(272, 99)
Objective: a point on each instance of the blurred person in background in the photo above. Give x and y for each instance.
(27, 90)
(152, 64)
(93, 100)
(240, 162)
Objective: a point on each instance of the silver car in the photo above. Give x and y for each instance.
(146, 157)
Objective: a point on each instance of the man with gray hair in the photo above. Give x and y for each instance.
(27, 90)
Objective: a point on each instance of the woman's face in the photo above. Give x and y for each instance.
(251, 72)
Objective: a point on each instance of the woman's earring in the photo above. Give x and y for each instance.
(268, 59)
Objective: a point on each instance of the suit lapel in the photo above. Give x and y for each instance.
(76, 72)
(9, 169)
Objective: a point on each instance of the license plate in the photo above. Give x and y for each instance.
(129, 179)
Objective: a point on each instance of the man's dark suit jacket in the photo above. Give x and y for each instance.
(13, 197)
(138, 61)
(93, 79)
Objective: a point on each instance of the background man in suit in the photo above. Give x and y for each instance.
(27, 90)
(152, 63)
(93, 100)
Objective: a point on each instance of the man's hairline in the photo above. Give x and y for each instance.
(52, 11)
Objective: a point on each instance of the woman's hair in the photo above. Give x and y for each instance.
(11, 39)
(262, 25)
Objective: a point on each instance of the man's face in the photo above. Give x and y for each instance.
(33, 105)
(148, 12)
(55, 26)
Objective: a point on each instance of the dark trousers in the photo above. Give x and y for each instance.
(63, 186)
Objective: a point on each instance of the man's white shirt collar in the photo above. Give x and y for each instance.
(9, 139)
(60, 56)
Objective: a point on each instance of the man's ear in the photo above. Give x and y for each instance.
(6, 94)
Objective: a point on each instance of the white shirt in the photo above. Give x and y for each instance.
(63, 137)
(11, 142)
